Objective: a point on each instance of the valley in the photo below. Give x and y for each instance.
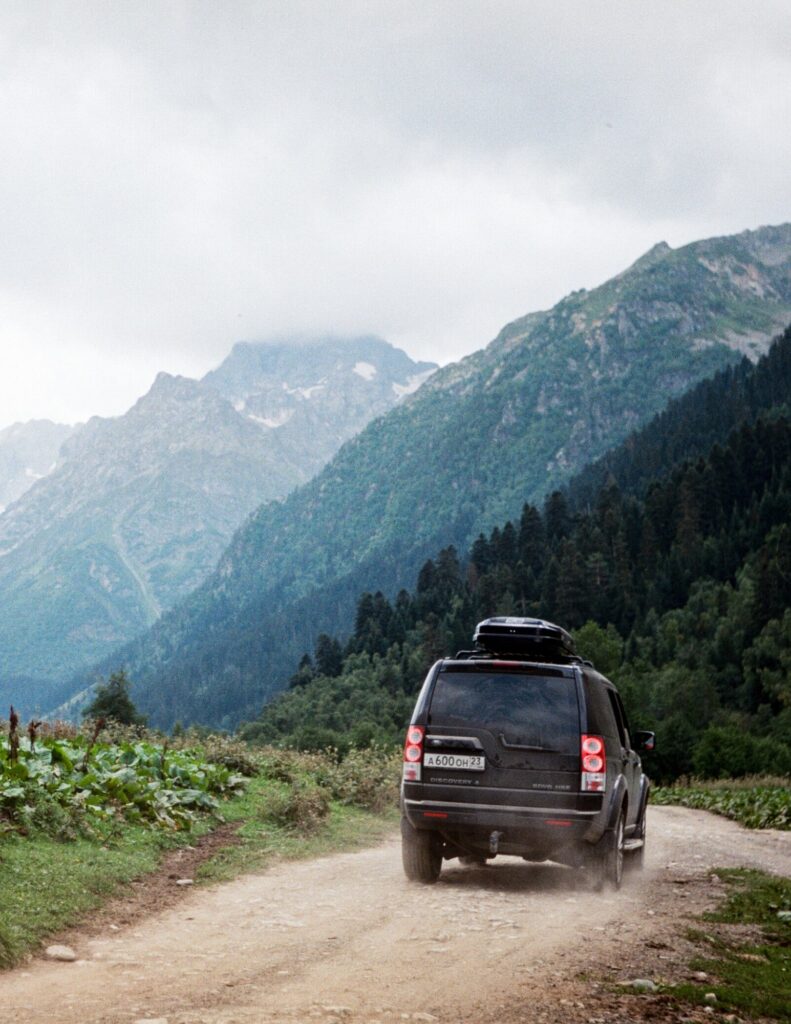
(553, 392)
(395, 494)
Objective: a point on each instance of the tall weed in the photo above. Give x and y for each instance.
(7, 957)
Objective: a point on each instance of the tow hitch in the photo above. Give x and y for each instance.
(494, 842)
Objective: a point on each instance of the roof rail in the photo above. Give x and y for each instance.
(528, 659)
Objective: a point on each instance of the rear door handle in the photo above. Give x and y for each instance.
(524, 746)
(454, 742)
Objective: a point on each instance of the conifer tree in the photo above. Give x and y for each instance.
(112, 702)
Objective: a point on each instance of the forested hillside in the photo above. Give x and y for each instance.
(691, 425)
(680, 588)
(553, 391)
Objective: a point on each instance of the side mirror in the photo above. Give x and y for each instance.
(645, 740)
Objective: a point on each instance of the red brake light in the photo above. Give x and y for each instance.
(593, 763)
(413, 753)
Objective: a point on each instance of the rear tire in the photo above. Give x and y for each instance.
(421, 854)
(615, 855)
(607, 858)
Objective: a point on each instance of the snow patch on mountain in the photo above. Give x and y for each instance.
(273, 421)
(365, 370)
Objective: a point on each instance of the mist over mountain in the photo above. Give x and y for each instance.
(139, 507)
(28, 452)
(552, 392)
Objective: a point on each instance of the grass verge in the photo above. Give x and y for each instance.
(263, 839)
(748, 951)
(47, 885)
(295, 806)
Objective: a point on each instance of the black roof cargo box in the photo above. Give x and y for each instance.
(531, 638)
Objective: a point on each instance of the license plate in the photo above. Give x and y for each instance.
(456, 762)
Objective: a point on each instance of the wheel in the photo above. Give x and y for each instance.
(606, 865)
(421, 854)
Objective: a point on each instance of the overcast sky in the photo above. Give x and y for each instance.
(176, 176)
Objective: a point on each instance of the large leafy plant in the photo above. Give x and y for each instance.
(81, 782)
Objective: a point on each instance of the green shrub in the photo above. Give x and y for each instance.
(280, 765)
(232, 754)
(728, 751)
(302, 806)
(286, 765)
(754, 803)
(367, 778)
(64, 822)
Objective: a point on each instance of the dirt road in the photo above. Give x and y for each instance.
(348, 939)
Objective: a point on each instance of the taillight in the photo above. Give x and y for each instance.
(413, 753)
(594, 764)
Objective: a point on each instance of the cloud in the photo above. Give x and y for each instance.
(180, 175)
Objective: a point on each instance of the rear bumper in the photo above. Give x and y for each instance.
(524, 830)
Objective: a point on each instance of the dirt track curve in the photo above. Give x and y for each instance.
(347, 939)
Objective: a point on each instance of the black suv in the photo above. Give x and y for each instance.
(521, 747)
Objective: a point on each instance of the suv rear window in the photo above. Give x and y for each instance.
(526, 709)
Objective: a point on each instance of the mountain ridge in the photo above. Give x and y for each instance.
(551, 392)
(675, 576)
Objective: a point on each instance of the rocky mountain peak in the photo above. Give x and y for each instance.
(172, 389)
(296, 364)
(140, 506)
(654, 254)
(315, 392)
(169, 383)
